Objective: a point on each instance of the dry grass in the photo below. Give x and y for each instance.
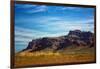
(48, 57)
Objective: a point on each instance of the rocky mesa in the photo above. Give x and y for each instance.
(76, 38)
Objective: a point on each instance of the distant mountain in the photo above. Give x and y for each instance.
(76, 38)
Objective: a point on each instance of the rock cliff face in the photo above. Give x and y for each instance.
(75, 38)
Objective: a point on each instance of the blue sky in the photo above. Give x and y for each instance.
(35, 21)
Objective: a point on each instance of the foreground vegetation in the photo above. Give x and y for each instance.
(70, 55)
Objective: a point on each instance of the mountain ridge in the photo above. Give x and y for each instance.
(76, 38)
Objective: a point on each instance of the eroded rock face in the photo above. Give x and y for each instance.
(76, 37)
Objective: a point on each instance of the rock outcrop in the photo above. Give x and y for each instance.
(75, 38)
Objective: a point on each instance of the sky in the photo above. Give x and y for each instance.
(37, 21)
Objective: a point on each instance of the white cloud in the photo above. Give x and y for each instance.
(33, 8)
(37, 9)
(24, 6)
(85, 21)
(71, 8)
(58, 26)
(64, 25)
(28, 32)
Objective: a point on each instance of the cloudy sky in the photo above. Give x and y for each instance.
(35, 21)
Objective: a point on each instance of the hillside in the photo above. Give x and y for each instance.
(74, 38)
